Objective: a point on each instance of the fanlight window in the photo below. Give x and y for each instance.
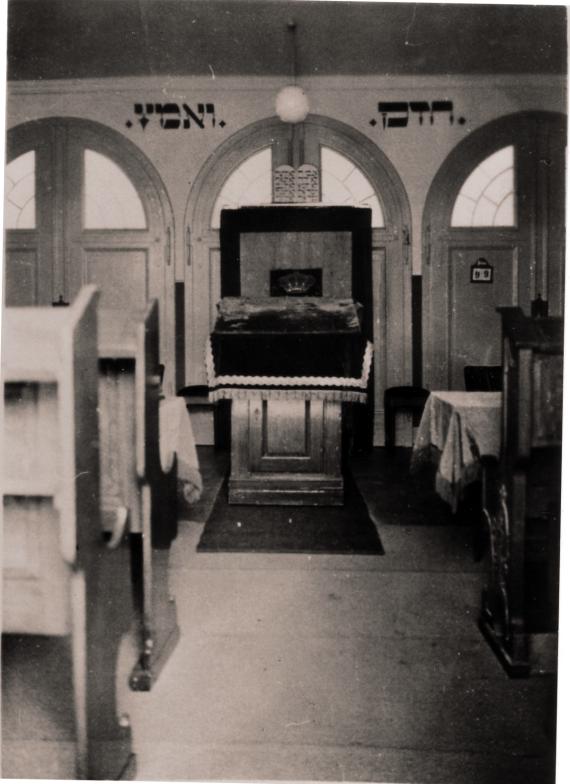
(487, 197)
(110, 199)
(20, 192)
(343, 183)
(248, 185)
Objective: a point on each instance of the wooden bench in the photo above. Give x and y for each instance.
(135, 488)
(521, 499)
(67, 599)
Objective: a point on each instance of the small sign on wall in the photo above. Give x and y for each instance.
(481, 272)
(297, 186)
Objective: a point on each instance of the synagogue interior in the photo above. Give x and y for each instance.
(282, 361)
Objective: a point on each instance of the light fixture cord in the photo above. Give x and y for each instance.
(292, 27)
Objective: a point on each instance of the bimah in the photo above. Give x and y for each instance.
(288, 365)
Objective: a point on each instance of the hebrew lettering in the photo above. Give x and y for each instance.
(396, 114)
(173, 116)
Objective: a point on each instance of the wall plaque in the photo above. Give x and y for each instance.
(481, 272)
(296, 186)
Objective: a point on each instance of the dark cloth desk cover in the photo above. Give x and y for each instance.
(282, 344)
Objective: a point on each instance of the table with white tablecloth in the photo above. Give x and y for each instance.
(456, 430)
(176, 435)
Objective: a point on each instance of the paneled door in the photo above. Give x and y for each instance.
(497, 203)
(83, 206)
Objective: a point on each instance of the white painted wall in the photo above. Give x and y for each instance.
(416, 151)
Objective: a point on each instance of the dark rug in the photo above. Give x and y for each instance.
(397, 496)
(292, 529)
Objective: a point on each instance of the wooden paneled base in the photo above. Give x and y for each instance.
(286, 451)
(291, 491)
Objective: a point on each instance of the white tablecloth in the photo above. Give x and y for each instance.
(176, 435)
(456, 429)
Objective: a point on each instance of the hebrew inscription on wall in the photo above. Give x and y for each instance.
(296, 186)
(399, 114)
(174, 116)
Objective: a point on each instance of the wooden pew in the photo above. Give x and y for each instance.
(134, 485)
(66, 593)
(521, 499)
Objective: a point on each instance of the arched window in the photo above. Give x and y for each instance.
(110, 198)
(248, 185)
(108, 221)
(487, 197)
(20, 192)
(343, 183)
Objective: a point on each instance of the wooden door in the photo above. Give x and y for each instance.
(524, 259)
(99, 218)
(30, 275)
(474, 321)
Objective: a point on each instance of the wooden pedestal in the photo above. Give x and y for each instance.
(286, 451)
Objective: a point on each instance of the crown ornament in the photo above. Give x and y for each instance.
(297, 283)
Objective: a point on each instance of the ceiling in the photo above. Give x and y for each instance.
(55, 39)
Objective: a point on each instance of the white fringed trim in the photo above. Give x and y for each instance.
(241, 393)
(288, 381)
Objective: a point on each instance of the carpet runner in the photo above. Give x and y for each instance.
(346, 529)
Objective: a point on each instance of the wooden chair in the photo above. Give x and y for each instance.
(134, 485)
(483, 378)
(62, 582)
(412, 399)
(521, 499)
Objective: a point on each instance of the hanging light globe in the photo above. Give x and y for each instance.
(292, 104)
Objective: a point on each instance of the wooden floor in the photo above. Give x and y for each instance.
(356, 668)
(339, 668)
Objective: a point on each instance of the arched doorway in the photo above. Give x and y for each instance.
(316, 141)
(498, 200)
(84, 205)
